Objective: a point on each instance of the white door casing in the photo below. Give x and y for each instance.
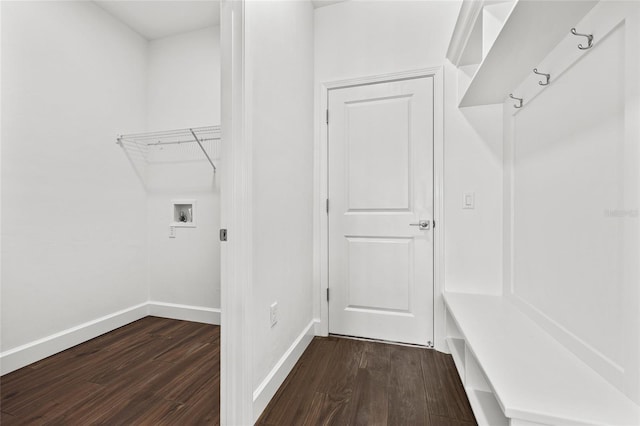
(236, 382)
(380, 181)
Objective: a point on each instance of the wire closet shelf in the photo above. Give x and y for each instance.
(198, 135)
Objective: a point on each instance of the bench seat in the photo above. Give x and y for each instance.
(516, 373)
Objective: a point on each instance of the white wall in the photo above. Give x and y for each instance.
(360, 38)
(184, 80)
(73, 218)
(574, 183)
(279, 55)
(473, 163)
(354, 39)
(183, 91)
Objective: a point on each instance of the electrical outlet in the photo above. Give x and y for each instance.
(273, 311)
(172, 232)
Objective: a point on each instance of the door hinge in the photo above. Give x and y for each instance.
(327, 294)
(327, 206)
(434, 224)
(223, 234)
(327, 116)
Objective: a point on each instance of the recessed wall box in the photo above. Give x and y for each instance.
(183, 213)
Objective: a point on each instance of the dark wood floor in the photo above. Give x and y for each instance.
(158, 371)
(350, 382)
(154, 371)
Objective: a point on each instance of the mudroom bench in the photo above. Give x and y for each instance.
(517, 374)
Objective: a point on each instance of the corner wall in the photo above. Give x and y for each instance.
(279, 86)
(73, 222)
(184, 91)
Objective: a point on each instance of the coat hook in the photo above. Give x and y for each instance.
(517, 99)
(589, 39)
(548, 76)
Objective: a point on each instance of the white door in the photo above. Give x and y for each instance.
(380, 188)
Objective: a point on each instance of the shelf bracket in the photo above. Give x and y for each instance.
(203, 150)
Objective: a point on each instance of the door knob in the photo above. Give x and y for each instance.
(422, 224)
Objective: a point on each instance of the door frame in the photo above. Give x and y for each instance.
(236, 381)
(321, 177)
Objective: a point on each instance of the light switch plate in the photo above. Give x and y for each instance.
(172, 232)
(468, 200)
(273, 311)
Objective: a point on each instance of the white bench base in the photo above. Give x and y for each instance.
(516, 374)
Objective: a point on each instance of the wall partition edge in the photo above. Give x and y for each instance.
(321, 219)
(0, 159)
(236, 393)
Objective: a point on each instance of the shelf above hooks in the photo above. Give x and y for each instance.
(207, 135)
(529, 32)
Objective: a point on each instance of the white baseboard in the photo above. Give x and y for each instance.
(31, 352)
(319, 328)
(269, 386)
(185, 312)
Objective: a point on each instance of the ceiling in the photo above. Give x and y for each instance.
(154, 19)
(158, 19)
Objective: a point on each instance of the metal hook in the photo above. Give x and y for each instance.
(548, 76)
(589, 39)
(517, 99)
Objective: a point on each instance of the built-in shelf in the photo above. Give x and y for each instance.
(529, 32)
(486, 408)
(456, 347)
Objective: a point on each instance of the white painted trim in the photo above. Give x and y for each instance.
(31, 352)
(470, 11)
(321, 259)
(439, 323)
(269, 386)
(185, 312)
(21, 356)
(1, 233)
(236, 387)
(317, 327)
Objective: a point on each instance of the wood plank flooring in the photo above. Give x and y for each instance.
(154, 371)
(158, 371)
(350, 382)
